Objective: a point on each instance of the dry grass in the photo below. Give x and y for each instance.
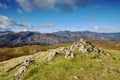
(8, 53)
(111, 45)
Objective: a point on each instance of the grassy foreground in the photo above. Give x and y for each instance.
(81, 67)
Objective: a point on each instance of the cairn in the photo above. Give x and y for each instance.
(69, 52)
(82, 46)
(86, 47)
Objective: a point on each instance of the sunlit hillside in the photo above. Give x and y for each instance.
(52, 65)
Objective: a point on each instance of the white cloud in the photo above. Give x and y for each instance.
(7, 23)
(101, 28)
(3, 6)
(104, 29)
(47, 25)
(19, 10)
(33, 4)
(25, 29)
(29, 5)
(4, 29)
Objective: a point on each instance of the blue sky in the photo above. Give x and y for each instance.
(57, 15)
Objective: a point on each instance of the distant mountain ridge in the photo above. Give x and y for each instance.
(13, 39)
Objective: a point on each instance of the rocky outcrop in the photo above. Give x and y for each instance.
(22, 70)
(9, 65)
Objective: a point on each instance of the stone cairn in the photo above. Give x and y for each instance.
(86, 47)
(24, 68)
(82, 46)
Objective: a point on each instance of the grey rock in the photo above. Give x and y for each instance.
(24, 68)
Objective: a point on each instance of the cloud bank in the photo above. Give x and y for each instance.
(19, 10)
(47, 25)
(104, 29)
(64, 5)
(7, 24)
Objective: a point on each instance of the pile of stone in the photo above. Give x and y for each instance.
(82, 46)
(86, 47)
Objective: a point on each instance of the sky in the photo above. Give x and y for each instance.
(48, 16)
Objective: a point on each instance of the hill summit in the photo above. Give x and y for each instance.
(68, 52)
(81, 55)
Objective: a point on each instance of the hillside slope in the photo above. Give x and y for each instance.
(50, 65)
(81, 67)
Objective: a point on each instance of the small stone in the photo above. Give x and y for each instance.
(76, 77)
(82, 69)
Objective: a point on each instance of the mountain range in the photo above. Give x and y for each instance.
(14, 39)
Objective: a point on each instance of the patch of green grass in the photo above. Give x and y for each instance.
(8, 75)
(81, 67)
